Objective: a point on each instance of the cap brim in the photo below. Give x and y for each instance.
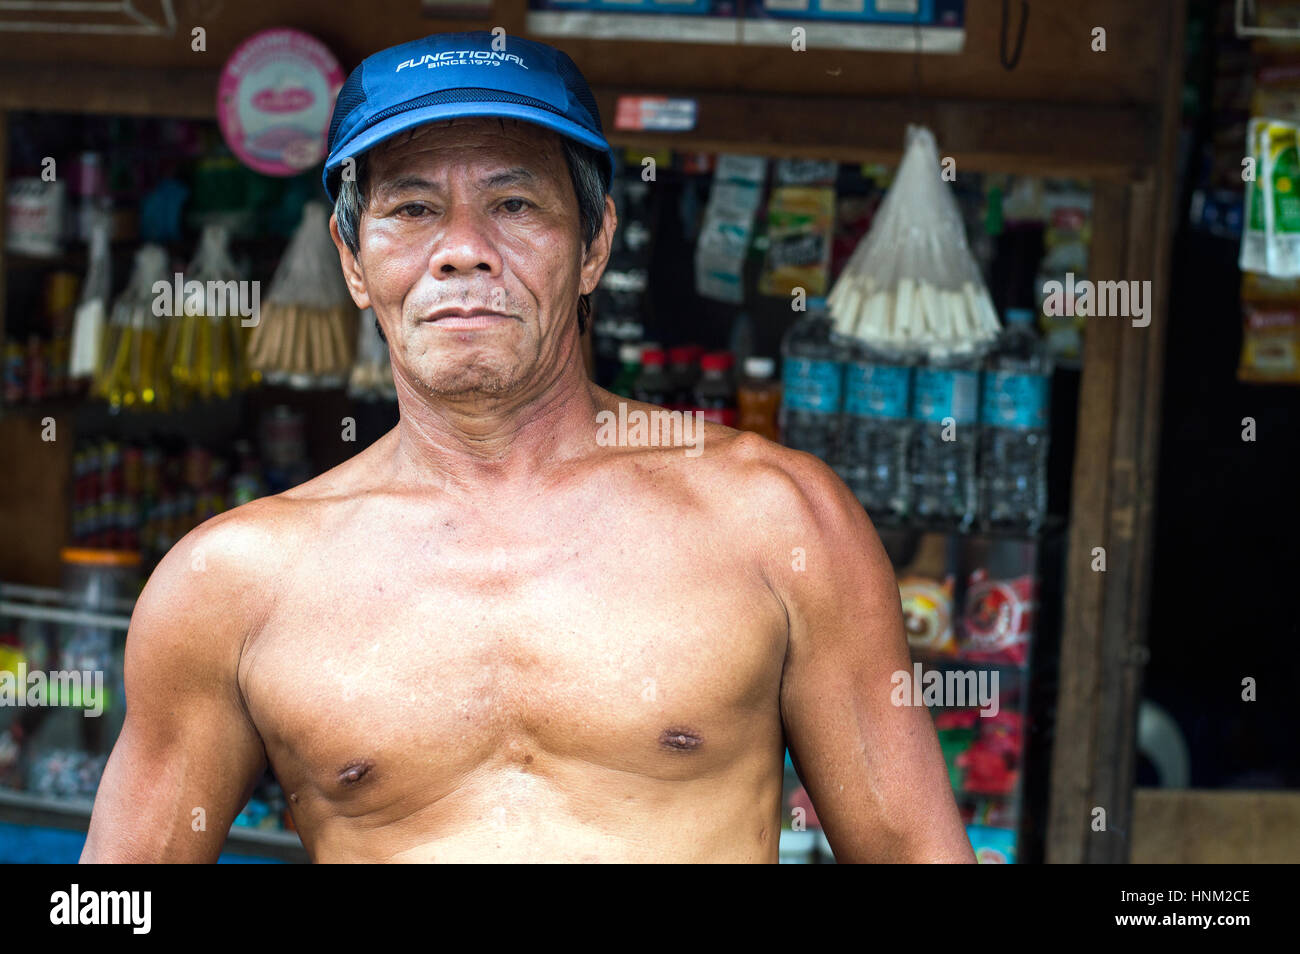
(394, 125)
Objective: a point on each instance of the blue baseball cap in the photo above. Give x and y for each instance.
(449, 75)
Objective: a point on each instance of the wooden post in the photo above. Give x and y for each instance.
(4, 192)
(1104, 626)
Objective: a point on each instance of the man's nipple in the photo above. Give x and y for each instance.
(354, 772)
(680, 740)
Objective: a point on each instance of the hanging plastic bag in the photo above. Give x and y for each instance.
(92, 310)
(912, 285)
(205, 343)
(131, 374)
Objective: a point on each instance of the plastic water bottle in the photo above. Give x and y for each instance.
(875, 429)
(1014, 415)
(945, 412)
(812, 381)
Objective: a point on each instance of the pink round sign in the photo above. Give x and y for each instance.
(275, 98)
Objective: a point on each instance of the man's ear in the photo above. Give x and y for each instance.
(593, 266)
(352, 273)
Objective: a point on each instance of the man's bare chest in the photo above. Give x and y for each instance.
(460, 646)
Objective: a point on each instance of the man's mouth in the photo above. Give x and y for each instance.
(466, 319)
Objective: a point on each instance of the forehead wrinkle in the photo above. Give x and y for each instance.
(414, 182)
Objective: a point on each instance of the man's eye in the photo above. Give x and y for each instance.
(412, 210)
(520, 203)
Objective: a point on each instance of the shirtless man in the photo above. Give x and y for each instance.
(492, 636)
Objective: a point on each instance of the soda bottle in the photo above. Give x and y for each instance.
(629, 359)
(714, 394)
(683, 373)
(652, 384)
(758, 399)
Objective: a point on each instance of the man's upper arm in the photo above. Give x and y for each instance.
(874, 770)
(188, 754)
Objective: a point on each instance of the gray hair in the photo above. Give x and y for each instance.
(586, 171)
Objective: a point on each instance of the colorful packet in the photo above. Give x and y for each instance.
(998, 622)
(927, 614)
(1270, 346)
(1254, 233)
(1282, 204)
(799, 225)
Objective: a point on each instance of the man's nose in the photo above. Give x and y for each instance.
(464, 244)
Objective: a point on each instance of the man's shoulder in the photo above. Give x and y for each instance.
(235, 553)
(778, 485)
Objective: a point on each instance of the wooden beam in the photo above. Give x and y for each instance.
(1057, 60)
(1114, 143)
(1057, 63)
(4, 191)
(109, 90)
(1186, 826)
(1121, 648)
(1104, 142)
(1073, 752)
(1104, 633)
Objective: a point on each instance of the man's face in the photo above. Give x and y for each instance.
(474, 215)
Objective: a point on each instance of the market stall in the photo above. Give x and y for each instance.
(762, 147)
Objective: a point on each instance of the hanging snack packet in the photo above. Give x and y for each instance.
(998, 621)
(728, 227)
(1254, 233)
(1282, 209)
(799, 222)
(1270, 341)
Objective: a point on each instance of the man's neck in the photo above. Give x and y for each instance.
(488, 447)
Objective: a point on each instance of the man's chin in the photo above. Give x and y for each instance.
(465, 384)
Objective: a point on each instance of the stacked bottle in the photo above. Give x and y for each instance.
(875, 431)
(945, 440)
(812, 378)
(1013, 445)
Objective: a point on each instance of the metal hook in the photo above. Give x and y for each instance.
(1010, 64)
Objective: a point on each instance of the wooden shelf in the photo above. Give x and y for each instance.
(1107, 142)
(22, 808)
